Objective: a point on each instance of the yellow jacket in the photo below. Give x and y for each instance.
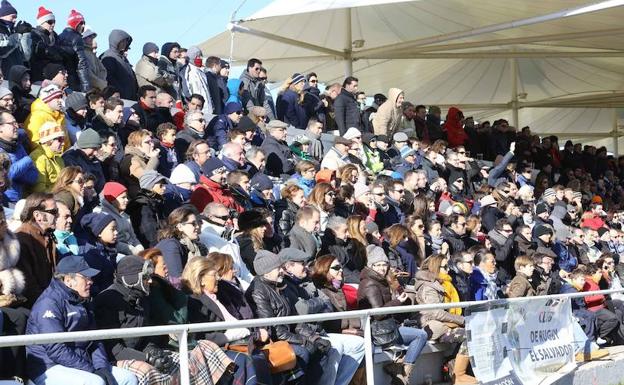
(49, 165)
(39, 114)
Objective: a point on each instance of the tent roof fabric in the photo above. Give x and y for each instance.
(447, 52)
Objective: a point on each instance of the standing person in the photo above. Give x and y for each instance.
(20, 84)
(194, 80)
(76, 63)
(22, 172)
(140, 156)
(148, 72)
(253, 87)
(15, 48)
(38, 249)
(63, 307)
(168, 62)
(213, 68)
(387, 120)
(96, 72)
(47, 156)
(289, 104)
(453, 125)
(347, 112)
(45, 44)
(119, 72)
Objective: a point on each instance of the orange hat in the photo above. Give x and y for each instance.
(325, 175)
(597, 199)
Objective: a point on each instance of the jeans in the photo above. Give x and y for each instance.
(62, 375)
(415, 339)
(343, 359)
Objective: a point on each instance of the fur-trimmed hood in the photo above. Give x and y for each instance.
(11, 279)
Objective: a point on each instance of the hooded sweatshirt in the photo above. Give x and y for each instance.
(119, 72)
(387, 120)
(454, 129)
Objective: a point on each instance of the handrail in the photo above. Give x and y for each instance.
(183, 330)
(102, 334)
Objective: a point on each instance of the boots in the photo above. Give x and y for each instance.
(399, 372)
(459, 371)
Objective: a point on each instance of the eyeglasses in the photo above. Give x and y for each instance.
(400, 191)
(331, 194)
(381, 264)
(194, 223)
(53, 211)
(507, 230)
(223, 217)
(79, 181)
(262, 79)
(336, 267)
(51, 22)
(313, 81)
(420, 227)
(462, 152)
(239, 112)
(445, 267)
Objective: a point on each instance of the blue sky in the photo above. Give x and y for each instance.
(185, 21)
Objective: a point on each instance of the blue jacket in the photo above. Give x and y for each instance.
(290, 111)
(75, 157)
(22, 173)
(104, 259)
(230, 164)
(306, 184)
(217, 131)
(233, 85)
(60, 309)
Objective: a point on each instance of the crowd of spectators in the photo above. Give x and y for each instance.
(204, 200)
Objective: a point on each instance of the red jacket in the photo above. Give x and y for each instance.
(209, 191)
(454, 129)
(592, 221)
(593, 302)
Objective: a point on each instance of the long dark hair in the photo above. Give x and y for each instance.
(176, 217)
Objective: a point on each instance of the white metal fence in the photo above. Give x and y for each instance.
(183, 330)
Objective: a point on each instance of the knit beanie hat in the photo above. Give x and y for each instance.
(112, 190)
(129, 266)
(149, 47)
(182, 174)
(7, 9)
(251, 219)
(52, 69)
(295, 255)
(194, 52)
(375, 255)
(352, 133)
(233, 107)
(96, 222)
(89, 138)
(88, 31)
(50, 92)
(4, 91)
(541, 208)
(50, 131)
(360, 189)
(213, 166)
(542, 230)
(371, 228)
(265, 262)
(74, 19)
(44, 15)
(407, 151)
(549, 192)
(297, 77)
(149, 179)
(76, 101)
(167, 47)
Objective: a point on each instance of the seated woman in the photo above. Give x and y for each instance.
(125, 304)
(115, 202)
(374, 292)
(100, 249)
(252, 227)
(179, 241)
(199, 281)
(286, 209)
(442, 325)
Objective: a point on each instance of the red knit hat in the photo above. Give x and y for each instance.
(44, 15)
(74, 19)
(112, 190)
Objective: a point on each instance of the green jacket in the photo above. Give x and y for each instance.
(373, 160)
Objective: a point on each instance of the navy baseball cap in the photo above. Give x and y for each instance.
(76, 264)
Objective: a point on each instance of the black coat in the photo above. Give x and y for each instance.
(232, 296)
(147, 216)
(76, 62)
(183, 140)
(374, 292)
(461, 281)
(454, 241)
(216, 93)
(45, 50)
(345, 254)
(119, 72)
(347, 112)
(119, 307)
(203, 309)
(280, 159)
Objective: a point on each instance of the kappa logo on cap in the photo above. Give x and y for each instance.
(219, 170)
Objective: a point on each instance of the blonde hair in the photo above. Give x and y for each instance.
(193, 273)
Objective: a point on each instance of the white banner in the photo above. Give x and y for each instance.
(521, 343)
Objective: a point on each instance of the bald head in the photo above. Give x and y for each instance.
(234, 151)
(163, 99)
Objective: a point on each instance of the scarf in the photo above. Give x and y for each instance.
(436, 244)
(450, 293)
(491, 291)
(224, 312)
(9, 147)
(194, 249)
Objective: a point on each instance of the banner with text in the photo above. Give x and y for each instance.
(520, 343)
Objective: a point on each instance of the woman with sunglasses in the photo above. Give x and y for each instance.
(69, 189)
(323, 199)
(179, 240)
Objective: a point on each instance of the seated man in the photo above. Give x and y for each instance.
(63, 307)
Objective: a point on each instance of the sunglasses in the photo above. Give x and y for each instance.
(336, 267)
(53, 211)
(262, 78)
(79, 181)
(223, 217)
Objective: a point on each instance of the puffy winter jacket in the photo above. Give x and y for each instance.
(347, 112)
(14, 47)
(59, 309)
(39, 114)
(430, 291)
(22, 172)
(147, 217)
(374, 292)
(76, 157)
(387, 120)
(45, 50)
(453, 127)
(119, 72)
(49, 165)
(76, 61)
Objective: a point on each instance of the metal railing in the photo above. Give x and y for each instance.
(182, 331)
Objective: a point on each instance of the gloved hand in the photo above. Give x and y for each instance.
(310, 347)
(159, 359)
(106, 375)
(23, 27)
(322, 345)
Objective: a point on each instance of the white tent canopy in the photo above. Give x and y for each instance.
(554, 65)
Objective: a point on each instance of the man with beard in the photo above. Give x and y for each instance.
(304, 234)
(212, 187)
(22, 173)
(454, 231)
(217, 234)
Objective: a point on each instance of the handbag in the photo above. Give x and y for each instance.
(280, 355)
(385, 332)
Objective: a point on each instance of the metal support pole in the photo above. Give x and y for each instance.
(616, 134)
(368, 351)
(348, 43)
(514, 91)
(184, 358)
